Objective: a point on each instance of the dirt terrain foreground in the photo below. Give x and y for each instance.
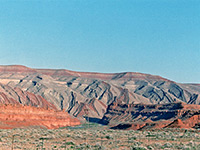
(95, 137)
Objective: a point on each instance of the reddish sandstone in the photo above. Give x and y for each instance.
(18, 116)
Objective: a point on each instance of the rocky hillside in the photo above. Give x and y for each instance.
(18, 116)
(150, 116)
(83, 93)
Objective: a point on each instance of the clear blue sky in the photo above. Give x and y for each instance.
(160, 37)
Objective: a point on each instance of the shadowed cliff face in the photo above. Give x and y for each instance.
(148, 116)
(76, 92)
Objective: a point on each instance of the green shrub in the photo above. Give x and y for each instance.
(138, 148)
(69, 143)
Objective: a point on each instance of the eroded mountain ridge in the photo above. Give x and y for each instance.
(75, 92)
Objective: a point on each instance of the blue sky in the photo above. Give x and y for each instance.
(160, 37)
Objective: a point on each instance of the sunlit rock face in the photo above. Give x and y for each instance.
(76, 92)
(18, 116)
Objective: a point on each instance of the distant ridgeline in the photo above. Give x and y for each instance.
(111, 98)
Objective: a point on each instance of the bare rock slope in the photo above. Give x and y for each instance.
(150, 116)
(76, 92)
(18, 116)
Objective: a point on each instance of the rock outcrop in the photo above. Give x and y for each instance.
(149, 116)
(18, 116)
(9, 95)
(76, 92)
